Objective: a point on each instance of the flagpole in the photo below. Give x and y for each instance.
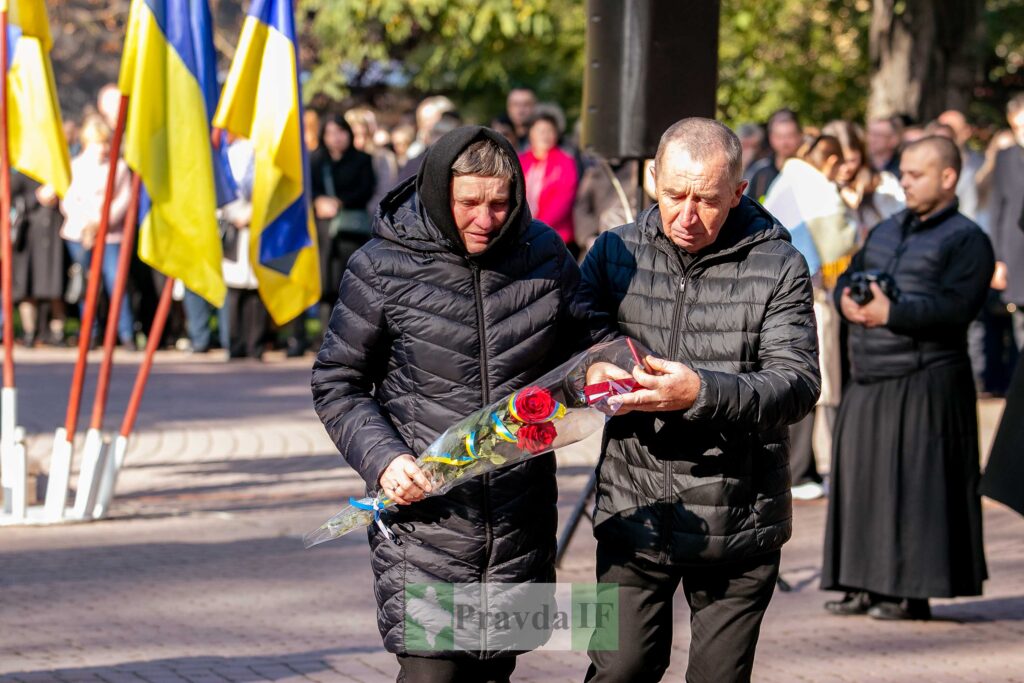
(63, 441)
(5, 218)
(156, 332)
(99, 405)
(13, 461)
(113, 457)
(95, 277)
(91, 496)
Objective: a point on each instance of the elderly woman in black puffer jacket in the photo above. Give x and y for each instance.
(459, 299)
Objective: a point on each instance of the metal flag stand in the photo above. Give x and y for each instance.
(94, 460)
(113, 461)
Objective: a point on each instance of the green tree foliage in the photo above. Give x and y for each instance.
(472, 50)
(809, 55)
(1004, 63)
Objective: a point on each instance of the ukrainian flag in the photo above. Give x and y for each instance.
(37, 143)
(168, 70)
(261, 101)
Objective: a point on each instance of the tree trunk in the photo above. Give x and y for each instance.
(924, 56)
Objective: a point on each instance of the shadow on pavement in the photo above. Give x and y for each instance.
(239, 669)
(279, 465)
(143, 563)
(981, 610)
(178, 391)
(800, 578)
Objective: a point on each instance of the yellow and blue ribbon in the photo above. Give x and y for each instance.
(557, 413)
(503, 432)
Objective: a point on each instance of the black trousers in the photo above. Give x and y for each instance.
(247, 323)
(802, 465)
(801, 452)
(431, 670)
(727, 602)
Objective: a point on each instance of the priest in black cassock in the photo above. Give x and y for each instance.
(904, 517)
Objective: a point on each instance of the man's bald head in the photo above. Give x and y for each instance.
(704, 140)
(929, 169)
(944, 149)
(697, 181)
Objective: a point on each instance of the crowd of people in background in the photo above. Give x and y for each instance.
(849, 174)
(848, 171)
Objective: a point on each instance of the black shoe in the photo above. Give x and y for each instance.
(852, 604)
(909, 609)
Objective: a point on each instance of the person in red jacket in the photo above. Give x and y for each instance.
(551, 179)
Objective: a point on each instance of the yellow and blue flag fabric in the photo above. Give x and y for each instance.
(36, 137)
(168, 71)
(262, 102)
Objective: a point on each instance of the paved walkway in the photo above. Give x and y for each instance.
(200, 573)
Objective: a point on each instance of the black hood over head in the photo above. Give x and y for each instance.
(433, 185)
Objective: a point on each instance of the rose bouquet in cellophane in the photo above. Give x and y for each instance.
(555, 411)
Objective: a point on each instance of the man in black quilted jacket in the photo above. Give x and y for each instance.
(459, 299)
(693, 485)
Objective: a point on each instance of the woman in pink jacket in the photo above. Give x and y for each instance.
(551, 179)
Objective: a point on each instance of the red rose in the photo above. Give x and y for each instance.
(532, 405)
(536, 438)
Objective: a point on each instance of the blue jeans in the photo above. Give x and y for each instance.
(197, 320)
(83, 257)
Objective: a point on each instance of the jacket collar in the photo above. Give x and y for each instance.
(913, 223)
(401, 219)
(747, 224)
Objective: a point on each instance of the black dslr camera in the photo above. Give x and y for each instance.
(860, 286)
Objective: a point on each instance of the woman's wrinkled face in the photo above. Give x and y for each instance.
(852, 161)
(336, 139)
(480, 206)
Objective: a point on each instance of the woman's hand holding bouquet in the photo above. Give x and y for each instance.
(562, 407)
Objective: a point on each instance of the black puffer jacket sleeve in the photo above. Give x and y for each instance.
(599, 321)
(351, 362)
(788, 383)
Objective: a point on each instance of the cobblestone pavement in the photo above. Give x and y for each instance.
(200, 575)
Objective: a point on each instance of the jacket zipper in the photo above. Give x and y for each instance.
(666, 533)
(485, 394)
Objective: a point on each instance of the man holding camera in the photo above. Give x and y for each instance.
(904, 517)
